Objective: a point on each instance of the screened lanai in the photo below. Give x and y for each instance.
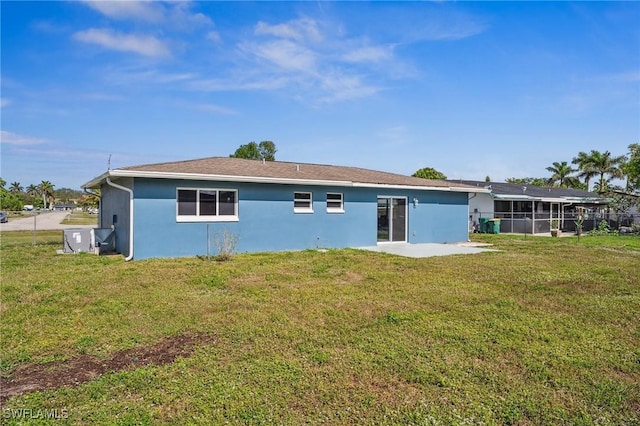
(532, 210)
(533, 216)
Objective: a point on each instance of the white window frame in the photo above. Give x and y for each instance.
(208, 218)
(341, 201)
(309, 208)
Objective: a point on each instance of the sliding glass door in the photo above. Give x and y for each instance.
(392, 219)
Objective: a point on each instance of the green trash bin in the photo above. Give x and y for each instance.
(484, 225)
(493, 226)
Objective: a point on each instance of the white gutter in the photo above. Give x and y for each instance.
(130, 191)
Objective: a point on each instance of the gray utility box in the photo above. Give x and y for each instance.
(104, 240)
(88, 240)
(78, 240)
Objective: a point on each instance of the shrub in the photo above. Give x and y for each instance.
(226, 243)
(603, 229)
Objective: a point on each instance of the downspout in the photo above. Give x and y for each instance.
(130, 191)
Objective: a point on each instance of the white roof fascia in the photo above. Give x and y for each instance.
(96, 181)
(225, 178)
(253, 179)
(515, 197)
(589, 200)
(545, 199)
(419, 188)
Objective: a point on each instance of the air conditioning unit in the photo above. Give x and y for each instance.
(78, 240)
(88, 240)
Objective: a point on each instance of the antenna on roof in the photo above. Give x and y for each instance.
(264, 161)
(109, 163)
(297, 167)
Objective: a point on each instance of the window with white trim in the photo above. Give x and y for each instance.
(302, 202)
(206, 205)
(335, 203)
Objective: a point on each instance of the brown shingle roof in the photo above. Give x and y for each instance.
(227, 166)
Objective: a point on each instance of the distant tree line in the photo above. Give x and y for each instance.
(600, 167)
(43, 196)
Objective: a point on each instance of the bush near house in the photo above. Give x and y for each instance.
(543, 332)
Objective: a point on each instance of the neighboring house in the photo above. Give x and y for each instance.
(530, 209)
(174, 209)
(64, 207)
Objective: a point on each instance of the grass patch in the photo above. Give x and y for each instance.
(545, 331)
(80, 218)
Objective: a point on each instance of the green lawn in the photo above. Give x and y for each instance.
(80, 218)
(546, 331)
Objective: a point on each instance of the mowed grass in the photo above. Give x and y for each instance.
(546, 331)
(80, 218)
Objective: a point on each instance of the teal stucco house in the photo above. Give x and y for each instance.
(172, 209)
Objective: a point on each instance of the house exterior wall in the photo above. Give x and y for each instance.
(267, 221)
(114, 204)
(480, 205)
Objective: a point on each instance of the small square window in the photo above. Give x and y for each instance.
(335, 203)
(302, 202)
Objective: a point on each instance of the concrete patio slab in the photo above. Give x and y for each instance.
(426, 250)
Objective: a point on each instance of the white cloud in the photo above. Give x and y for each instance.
(97, 96)
(369, 54)
(214, 36)
(340, 87)
(284, 54)
(622, 77)
(179, 14)
(4, 102)
(302, 57)
(140, 44)
(176, 14)
(451, 30)
(215, 109)
(125, 77)
(241, 82)
(298, 29)
(72, 155)
(319, 62)
(15, 139)
(127, 9)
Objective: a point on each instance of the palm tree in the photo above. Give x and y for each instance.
(631, 168)
(46, 190)
(602, 186)
(15, 188)
(90, 199)
(584, 160)
(560, 174)
(32, 191)
(605, 165)
(599, 164)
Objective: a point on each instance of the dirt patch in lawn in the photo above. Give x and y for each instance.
(74, 372)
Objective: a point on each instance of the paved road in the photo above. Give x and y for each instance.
(43, 222)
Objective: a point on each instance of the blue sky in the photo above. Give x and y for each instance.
(472, 89)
